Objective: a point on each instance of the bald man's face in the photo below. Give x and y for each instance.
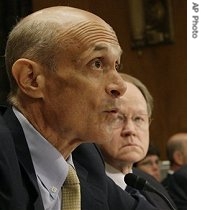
(180, 138)
(82, 93)
(185, 148)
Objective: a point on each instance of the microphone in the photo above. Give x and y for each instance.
(140, 183)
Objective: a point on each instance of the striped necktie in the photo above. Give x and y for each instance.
(71, 196)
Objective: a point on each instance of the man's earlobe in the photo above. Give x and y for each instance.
(29, 77)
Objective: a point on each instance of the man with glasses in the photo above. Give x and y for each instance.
(62, 64)
(131, 140)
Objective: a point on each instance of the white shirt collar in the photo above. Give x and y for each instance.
(115, 175)
(171, 172)
(50, 166)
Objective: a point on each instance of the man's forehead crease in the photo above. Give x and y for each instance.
(83, 29)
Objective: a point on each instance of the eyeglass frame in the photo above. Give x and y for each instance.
(134, 119)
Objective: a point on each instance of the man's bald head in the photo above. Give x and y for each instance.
(53, 34)
(177, 149)
(64, 14)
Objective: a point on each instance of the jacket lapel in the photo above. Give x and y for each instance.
(24, 157)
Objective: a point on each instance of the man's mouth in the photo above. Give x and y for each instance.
(113, 111)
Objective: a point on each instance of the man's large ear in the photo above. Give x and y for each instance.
(29, 77)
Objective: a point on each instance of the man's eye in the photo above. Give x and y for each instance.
(120, 117)
(138, 119)
(97, 64)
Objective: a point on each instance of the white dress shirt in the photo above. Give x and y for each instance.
(116, 175)
(50, 166)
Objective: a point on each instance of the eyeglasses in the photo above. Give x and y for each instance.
(141, 121)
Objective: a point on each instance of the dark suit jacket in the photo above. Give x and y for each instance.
(152, 197)
(176, 185)
(18, 184)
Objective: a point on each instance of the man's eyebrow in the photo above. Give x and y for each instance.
(103, 47)
(100, 47)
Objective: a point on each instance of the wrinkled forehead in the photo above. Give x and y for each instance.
(75, 26)
(68, 16)
(89, 32)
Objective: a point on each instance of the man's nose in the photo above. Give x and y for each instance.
(117, 87)
(128, 128)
